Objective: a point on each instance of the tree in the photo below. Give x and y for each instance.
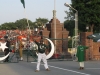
(88, 13)
(40, 22)
(70, 25)
(22, 24)
(70, 15)
(8, 26)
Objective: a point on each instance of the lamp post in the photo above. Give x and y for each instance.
(76, 22)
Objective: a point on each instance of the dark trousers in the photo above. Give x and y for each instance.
(6, 52)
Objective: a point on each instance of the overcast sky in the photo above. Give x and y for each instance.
(12, 10)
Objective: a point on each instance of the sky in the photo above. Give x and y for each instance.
(12, 10)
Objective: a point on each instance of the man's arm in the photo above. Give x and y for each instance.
(86, 47)
(35, 41)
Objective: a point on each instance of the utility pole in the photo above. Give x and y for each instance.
(54, 17)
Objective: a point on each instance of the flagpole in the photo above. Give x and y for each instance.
(27, 19)
(55, 23)
(23, 2)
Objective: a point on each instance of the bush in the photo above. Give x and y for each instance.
(70, 43)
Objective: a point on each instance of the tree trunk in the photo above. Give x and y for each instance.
(91, 27)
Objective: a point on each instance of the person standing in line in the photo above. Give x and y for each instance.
(81, 55)
(21, 49)
(41, 55)
(7, 50)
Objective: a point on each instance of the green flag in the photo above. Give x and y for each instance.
(23, 2)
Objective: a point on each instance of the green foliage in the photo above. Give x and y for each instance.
(70, 15)
(88, 14)
(22, 24)
(70, 43)
(8, 26)
(70, 25)
(40, 22)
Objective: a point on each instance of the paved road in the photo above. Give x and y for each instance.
(57, 68)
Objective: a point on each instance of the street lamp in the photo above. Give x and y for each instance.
(76, 23)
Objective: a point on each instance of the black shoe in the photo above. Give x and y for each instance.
(36, 70)
(6, 61)
(47, 69)
(82, 67)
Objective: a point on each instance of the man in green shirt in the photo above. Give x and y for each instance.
(81, 55)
